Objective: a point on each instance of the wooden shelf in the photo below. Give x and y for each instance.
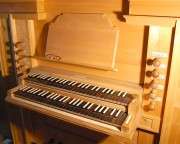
(47, 60)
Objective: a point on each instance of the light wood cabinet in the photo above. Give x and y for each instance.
(145, 35)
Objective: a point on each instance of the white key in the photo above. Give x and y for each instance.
(112, 92)
(39, 76)
(70, 83)
(79, 103)
(30, 90)
(50, 78)
(74, 84)
(33, 90)
(87, 86)
(128, 119)
(53, 79)
(32, 74)
(49, 95)
(98, 89)
(94, 87)
(86, 105)
(76, 102)
(66, 99)
(97, 108)
(119, 93)
(56, 97)
(36, 91)
(65, 81)
(44, 93)
(84, 85)
(124, 94)
(35, 75)
(45, 77)
(62, 80)
(80, 85)
(22, 88)
(26, 88)
(58, 80)
(101, 108)
(63, 98)
(53, 96)
(108, 91)
(104, 90)
(90, 106)
(72, 101)
(118, 113)
(105, 110)
(113, 112)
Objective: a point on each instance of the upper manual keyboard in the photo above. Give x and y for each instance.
(86, 89)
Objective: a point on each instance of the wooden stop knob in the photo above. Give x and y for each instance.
(152, 105)
(156, 62)
(20, 60)
(155, 73)
(154, 84)
(20, 44)
(153, 94)
(20, 52)
(22, 68)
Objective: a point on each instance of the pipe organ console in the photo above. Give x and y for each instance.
(79, 73)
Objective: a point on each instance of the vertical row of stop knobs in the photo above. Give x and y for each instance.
(20, 56)
(154, 83)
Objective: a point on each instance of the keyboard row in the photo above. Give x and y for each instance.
(111, 116)
(106, 94)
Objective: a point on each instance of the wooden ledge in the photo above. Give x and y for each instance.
(29, 16)
(150, 20)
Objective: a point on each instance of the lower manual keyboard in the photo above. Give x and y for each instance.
(104, 114)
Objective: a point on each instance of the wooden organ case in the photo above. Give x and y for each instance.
(78, 73)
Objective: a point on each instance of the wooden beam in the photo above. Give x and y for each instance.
(150, 20)
(22, 6)
(29, 16)
(155, 7)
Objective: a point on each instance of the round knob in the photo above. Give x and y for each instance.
(154, 84)
(156, 62)
(152, 94)
(155, 73)
(152, 105)
(20, 44)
